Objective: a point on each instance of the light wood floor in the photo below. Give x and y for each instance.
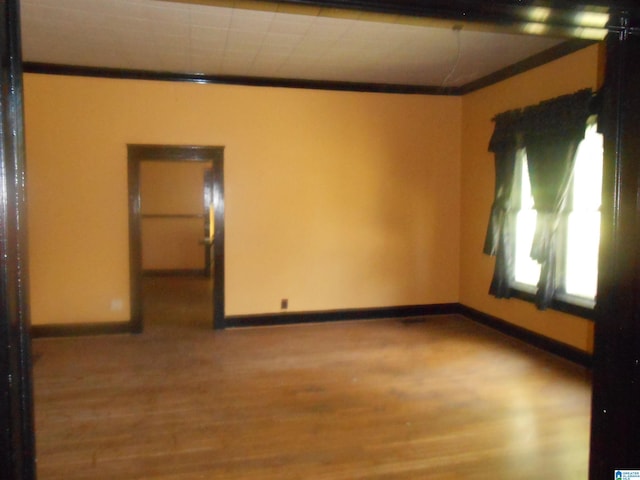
(441, 398)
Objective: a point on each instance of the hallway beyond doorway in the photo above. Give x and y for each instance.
(177, 301)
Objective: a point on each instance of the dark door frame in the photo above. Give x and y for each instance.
(615, 430)
(174, 153)
(17, 438)
(208, 201)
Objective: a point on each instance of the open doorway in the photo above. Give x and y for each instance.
(176, 243)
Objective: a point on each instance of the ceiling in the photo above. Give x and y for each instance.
(267, 40)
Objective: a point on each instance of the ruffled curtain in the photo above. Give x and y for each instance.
(552, 132)
(499, 240)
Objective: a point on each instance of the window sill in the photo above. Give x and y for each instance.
(561, 303)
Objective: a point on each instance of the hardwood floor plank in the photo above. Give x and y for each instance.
(439, 399)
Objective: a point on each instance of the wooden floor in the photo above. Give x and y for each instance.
(438, 398)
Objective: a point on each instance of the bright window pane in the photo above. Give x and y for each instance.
(583, 237)
(527, 270)
(582, 254)
(587, 175)
(526, 198)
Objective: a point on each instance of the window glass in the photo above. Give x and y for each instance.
(583, 232)
(580, 235)
(527, 271)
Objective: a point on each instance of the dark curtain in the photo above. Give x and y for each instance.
(552, 132)
(499, 240)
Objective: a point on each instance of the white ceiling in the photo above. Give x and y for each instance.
(314, 44)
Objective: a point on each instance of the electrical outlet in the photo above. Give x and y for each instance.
(117, 305)
(284, 303)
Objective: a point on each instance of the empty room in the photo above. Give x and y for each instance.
(286, 240)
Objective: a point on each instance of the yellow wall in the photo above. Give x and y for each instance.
(333, 199)
(172, 244)
(566, 75)
(172, 188)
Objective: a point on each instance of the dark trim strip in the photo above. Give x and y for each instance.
(218, 242)
(174, 272)
(293, 318)
(176, 153)
(80, 329)
(17, 433)
(547, 344)
(534, 61)
(128, 74)
(556, 304)
(289, 318)
(530, 63)
(192, 216)
(513, 14)
(615, 417)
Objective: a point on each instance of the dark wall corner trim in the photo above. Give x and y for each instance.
(546, 56)
(80, 329)
(539, 341)
(289, 318)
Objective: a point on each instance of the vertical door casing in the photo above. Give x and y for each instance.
(615, 418)
(17, 443)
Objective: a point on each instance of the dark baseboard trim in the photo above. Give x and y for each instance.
(289, 318)
(527, 336)
(544, 343)
(175, 272)
(80, 329)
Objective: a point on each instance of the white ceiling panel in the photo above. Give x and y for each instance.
(200, 39)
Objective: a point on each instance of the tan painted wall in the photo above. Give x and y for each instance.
(172, 188)
(333, 199)
(566, 75)
(172, 244)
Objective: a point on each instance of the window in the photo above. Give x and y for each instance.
(546, 204)
(578, 234)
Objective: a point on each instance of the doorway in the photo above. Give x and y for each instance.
(211, 160)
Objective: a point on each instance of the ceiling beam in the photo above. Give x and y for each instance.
(569, 18)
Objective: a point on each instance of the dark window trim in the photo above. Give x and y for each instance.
(560, 303)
